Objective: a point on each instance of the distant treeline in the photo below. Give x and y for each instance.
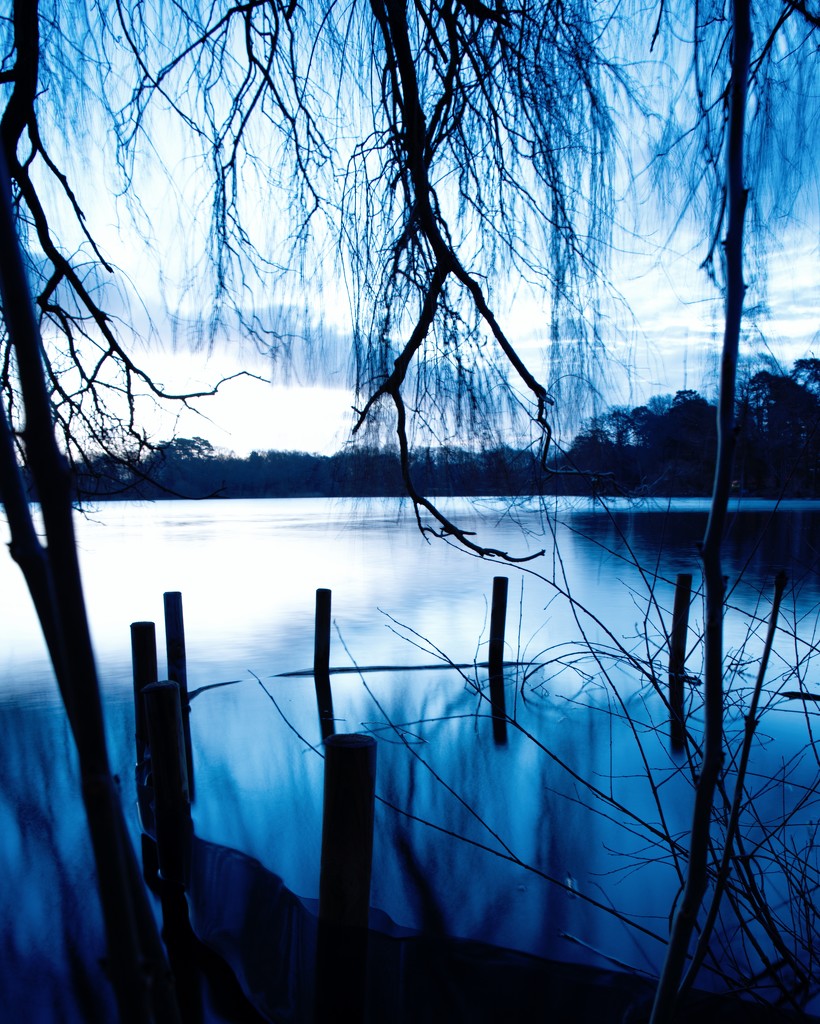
(665, 447)
(191, 467)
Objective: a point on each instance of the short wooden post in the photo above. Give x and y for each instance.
(321, 662)
(498, 620)
(178, 670)
(344, 882)
(144, 668)
(347, 829)
(169, 774)
(677, 658)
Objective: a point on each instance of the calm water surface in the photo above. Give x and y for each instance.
(518, 845)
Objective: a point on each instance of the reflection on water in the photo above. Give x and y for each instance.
(525, 845)
(50, 937)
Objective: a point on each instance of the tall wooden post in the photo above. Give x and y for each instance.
(178, 670)
(144, 668)
(498, 620)
(169, 775)
(321, 662)
(677, 658)
(344, 883)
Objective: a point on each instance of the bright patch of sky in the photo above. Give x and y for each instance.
(250, 412)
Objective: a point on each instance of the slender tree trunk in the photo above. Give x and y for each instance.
(136, 959)
(697, 873)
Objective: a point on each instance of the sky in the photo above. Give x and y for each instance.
(666, 336)
(252, 413)
(673, 344)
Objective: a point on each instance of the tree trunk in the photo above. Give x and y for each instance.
(696, 877)
(137, 963)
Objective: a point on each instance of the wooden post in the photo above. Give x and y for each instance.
(185, 956)
(677, 658)
(347, 829)
(172, 813)
(321, 662)
(178, 670)
(148, 851)
(144, 667)
(344, 882)
(498, 619)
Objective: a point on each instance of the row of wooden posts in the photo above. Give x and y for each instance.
(165, 758)
(162, 715)
(165, 776)
(165, 787)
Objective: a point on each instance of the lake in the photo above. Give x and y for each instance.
(564, 842)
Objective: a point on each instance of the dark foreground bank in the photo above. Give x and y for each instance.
(268, 937)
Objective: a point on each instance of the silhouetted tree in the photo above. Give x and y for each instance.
(779, 423)
(807, 372)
